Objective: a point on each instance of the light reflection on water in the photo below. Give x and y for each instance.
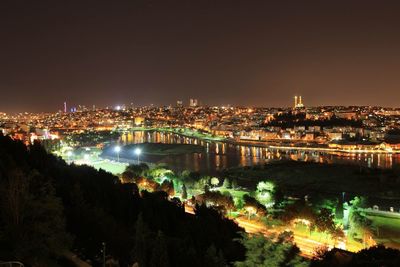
(219, 155)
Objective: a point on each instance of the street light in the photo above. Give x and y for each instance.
(138, 151)
(117, 149)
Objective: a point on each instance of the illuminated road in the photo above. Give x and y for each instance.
(307, 246)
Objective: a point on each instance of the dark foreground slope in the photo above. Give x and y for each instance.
(48, 207)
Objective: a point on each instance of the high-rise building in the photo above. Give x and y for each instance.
(179, 103)
(65, 107)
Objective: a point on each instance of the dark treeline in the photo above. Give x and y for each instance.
(289, 120)
(49, 208)
(91, 138)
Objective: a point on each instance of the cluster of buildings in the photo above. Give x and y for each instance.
(336, 127)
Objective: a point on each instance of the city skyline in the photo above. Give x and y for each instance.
(225, 52)
(297, 102)
(218, 133)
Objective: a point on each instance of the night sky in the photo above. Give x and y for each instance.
(258, 53)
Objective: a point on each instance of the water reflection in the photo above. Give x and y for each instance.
(220, 155)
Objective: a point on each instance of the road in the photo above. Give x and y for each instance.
(307, 246)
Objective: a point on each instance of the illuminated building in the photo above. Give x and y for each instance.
(139, 121)
(298, 102)
(193, 102)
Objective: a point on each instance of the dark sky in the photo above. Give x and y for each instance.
(250, 52)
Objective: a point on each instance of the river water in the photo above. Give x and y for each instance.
(220, 155)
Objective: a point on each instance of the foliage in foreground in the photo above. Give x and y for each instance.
(261, 251)
(97, 208)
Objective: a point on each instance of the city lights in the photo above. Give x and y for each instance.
(259, 133)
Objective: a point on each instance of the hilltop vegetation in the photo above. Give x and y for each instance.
(57, 207)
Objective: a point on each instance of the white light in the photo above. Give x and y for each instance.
(117, 149)
(86, 156)
(69, 153)
(138, 151)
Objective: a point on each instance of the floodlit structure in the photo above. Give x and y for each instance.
(298, 102)
(138, 151)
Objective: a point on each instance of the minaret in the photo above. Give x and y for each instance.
(300, 101)
(295, 101)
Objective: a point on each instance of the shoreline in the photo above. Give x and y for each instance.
(292, 146)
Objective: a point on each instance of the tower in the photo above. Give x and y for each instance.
(298, 102)
(65, 107)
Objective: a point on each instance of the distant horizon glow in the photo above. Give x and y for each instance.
(241, 53)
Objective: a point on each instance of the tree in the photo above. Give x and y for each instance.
(324, 221)
(238, 202)
(168, 187)
(279, 197)
(214, 181)
(32, 217)
(359, 223)
(160, 172)
(200, 183)
(254, 204)
(298, 210)
(141, 242)
(227, 183)
(137, 169)
(128, 176)
(184, 192)
(159, 256)
(213, 258)
(206, 188)
(185, 174)
(320, 252)
(261, 251)
(337, 234)
(376, 256)
(265, 186)
(98, 208)
(265, 191)
(234, 183)
(215, 198)
(339, 212)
